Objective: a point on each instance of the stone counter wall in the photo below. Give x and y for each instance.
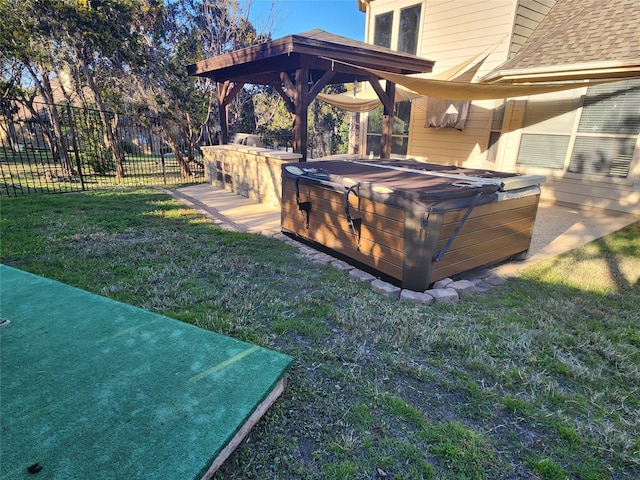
(251, 172)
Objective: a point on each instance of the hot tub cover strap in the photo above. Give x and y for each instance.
(354, 223)
(302, 206)
(439, 254)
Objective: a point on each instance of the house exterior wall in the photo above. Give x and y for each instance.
(529, 14)
(455, 30)
(452, 32)
(590, 191)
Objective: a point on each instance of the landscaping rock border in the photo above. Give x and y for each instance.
(447, 290)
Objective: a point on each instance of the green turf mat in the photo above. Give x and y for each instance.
(91, 388)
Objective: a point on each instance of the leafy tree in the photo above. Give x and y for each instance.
(96, 40)
(27, 50)
(101, 40)
(226, 28)
(192, 30)
(327, 124)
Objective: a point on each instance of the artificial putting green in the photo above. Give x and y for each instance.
(93, 388)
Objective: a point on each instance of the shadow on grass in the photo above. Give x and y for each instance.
(605, 265)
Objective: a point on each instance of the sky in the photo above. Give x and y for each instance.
(340, 17)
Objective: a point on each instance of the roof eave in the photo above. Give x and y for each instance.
(555, 73)
(354, 53)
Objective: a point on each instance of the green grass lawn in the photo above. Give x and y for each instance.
(537, 379)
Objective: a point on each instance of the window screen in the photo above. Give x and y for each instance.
(612, 108)
(492, 147)
(551, 115)
(603, 140)
(605, 156)
(498, 118)
(402, 118)
(547, 151)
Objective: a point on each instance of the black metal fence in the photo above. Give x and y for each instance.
(60, 148)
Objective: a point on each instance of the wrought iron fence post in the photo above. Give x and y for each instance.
(75, 146)
(164, 170)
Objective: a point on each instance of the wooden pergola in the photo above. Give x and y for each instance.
(300, 66)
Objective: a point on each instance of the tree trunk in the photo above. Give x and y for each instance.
(110, 139)
(10, 132)
(58, 140)
(185, 170)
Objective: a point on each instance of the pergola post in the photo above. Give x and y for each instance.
(226, 93)
(222, 113)
(387, 122)
(387, 97)
(298, 96)
(300, 116)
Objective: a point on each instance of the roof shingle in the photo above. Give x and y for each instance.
(583, 31)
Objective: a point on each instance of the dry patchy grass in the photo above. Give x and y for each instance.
(539, 378)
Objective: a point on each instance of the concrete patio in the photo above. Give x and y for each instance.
(558, 228)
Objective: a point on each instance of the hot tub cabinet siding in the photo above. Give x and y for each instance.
(403, 223)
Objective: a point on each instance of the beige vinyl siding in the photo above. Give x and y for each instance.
(622, 198)
(454, 31)
(447, 145)
(528, 16)
(606, 192)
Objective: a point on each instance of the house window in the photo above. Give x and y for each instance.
(408, 29)
(383, 29)
(597, 139)
(398, 29)
(400, 134)
(545, 151)
(495, 133)
(610, 157)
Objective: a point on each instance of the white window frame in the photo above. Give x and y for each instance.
(573, 134)
(380, 7)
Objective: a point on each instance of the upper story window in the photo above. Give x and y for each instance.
(398, 29)
(408, 29)
(383, 29)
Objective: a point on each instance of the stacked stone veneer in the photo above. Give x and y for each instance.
(251, 172)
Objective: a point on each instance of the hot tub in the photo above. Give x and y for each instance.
(413, 222)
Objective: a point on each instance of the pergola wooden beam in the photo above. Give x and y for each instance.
(387, 97)
(291, 64)
(298, 96)
(300, 117)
